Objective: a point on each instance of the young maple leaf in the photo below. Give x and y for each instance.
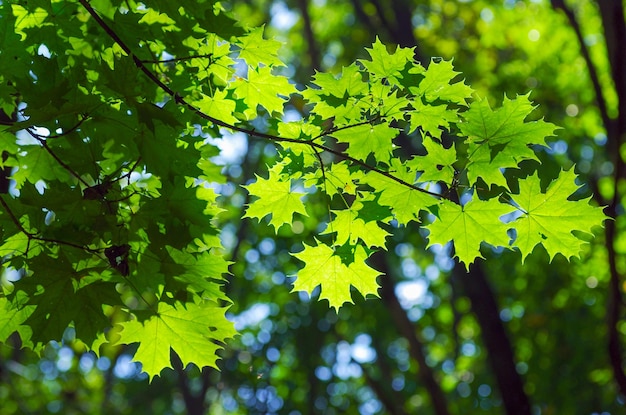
(275, 198)
(468, 226)
(550, 219)
(323, 267)
(263, 88)
(436, 84)
(255, 49)
(405, 202)
(366, 139)
(191, 330)
(387, 65)
(350, 227)
(500, 139)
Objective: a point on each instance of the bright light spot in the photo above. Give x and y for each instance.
(232, 147)
(323, 373)
(410, 268)
(252, 316)
(44, 51)
(86, 362)
(571, 110)
(592, 282)
(64, 360)
(486, 14)
(273, 354)
(139, 179)
(600, 139)
(282, 17)
(41, 186)
(411, 293)
(559, 147)
(125, 368)
(361, 350)
(468, 349)
(534, 35)
(484, 390)
(103, 363)
(432, 272)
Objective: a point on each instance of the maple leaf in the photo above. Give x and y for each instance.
(12, 316)
(550, 219)
(338, 179)
(276, 198)
(501, 138)
(430, 118)
(324, 267)
(366, 139)
(190, 329)
(218, 106)
(349, 83)
(387, 65)
(263, 88)
(468, 226)
(256, 50)
(60, 300)
(436, 84)
(200, 273)
(341, 99)
(437, 164)
(350, 226)
(405, 202)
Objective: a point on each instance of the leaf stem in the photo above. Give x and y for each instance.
(251, 132)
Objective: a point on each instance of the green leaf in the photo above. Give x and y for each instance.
(501, 139)
(218, 106)
(264, 89)
(12, 316)
(366, 139)
(190, 329)
(256, 50)
(350, 227)
(324, 267)
(430, 118)
(385, 65)
(436, 84)
(468, 226)
(550, 219)
(405, 202)
(437, 165)
(276, 198)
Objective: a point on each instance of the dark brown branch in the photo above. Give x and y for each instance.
(314, 52)
(185, 58)
(44, 144)
(612, 13)
(253, 133)
(593, 73)
(34, 237)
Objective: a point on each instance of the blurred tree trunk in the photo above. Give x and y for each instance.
(499, 351)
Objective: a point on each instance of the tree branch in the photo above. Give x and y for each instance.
(593, 73)
(314, 52)
(612, 13)
(251, 132)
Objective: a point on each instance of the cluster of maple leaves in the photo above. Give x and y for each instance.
(140, 259)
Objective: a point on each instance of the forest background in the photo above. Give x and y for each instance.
(538, 337)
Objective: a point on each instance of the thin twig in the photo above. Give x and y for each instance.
(32, 236)
(251, 132)
(185, 58)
